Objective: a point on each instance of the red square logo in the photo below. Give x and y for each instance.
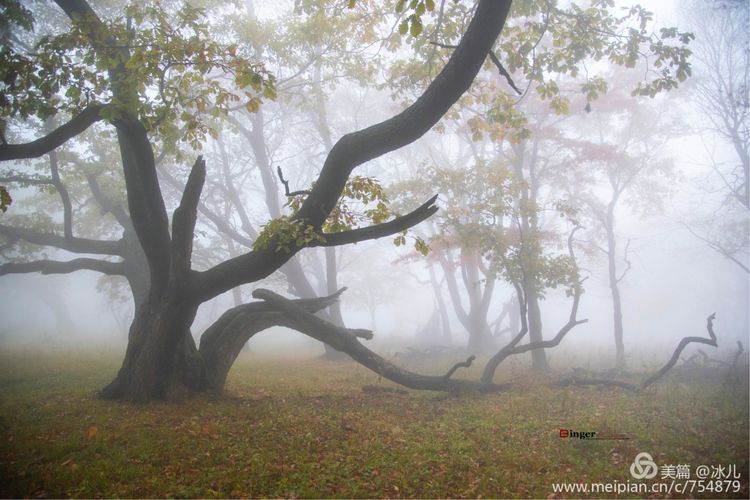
(564, 433)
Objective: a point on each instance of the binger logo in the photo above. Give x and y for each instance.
(643, 467)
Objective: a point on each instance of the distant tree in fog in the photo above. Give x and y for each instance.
(721, 91)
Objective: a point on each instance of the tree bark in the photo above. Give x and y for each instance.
(222, 342)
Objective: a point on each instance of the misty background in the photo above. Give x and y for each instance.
(674, 282)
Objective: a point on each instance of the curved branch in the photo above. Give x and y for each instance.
(356, 148)
(680, 347)
(62, 191)
(223, 340)
(64, 267)
(376, 231)
(56, 138)
(342, 340)
(462, 364)
(286, 185)
(75, 245)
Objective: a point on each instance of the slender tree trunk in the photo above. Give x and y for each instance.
(615, 289)
(445, 327)
(530, 232)
(334, 311)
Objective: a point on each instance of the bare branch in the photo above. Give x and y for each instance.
(106, 204)
(286, 186)
(64, 195)
(462, 364)
(299, 314)
(64, 267)
(682, 345)
(629, 265)
(512, 348)
(54, 139)
(75, 245)
(503, 72)
(376, 231)
(493, 57)
(343, 340)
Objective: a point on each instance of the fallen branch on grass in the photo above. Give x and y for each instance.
(660, 373)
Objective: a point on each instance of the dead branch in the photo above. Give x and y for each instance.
(659, 374)
(575, 381)
(286, 186)
(462, 364)
(683, 343)
(343, 340)
(499, 65)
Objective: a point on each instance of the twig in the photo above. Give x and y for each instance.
(500, 68)
(286, 185)
(503, 72)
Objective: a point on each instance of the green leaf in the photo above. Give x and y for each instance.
(403, 27)
(416, 27)
(5, 199)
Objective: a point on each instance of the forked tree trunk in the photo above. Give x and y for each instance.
(161, 361)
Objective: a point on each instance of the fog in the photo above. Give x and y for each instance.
(675, 277)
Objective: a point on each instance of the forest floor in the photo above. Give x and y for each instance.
(306, 428)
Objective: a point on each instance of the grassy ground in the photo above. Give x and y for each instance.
(305, 428)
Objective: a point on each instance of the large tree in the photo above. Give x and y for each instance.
(157, 79)
(161, 359)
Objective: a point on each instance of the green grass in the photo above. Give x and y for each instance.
(304, 428)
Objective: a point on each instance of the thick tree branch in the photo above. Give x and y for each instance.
(376, 231)
(75, 245)
(356, 148)
(64, 267)
(223, 340)
(145, 203)
(343, 340)
(298, 314)
(220, 222)
(54, 139)
(184, 218)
